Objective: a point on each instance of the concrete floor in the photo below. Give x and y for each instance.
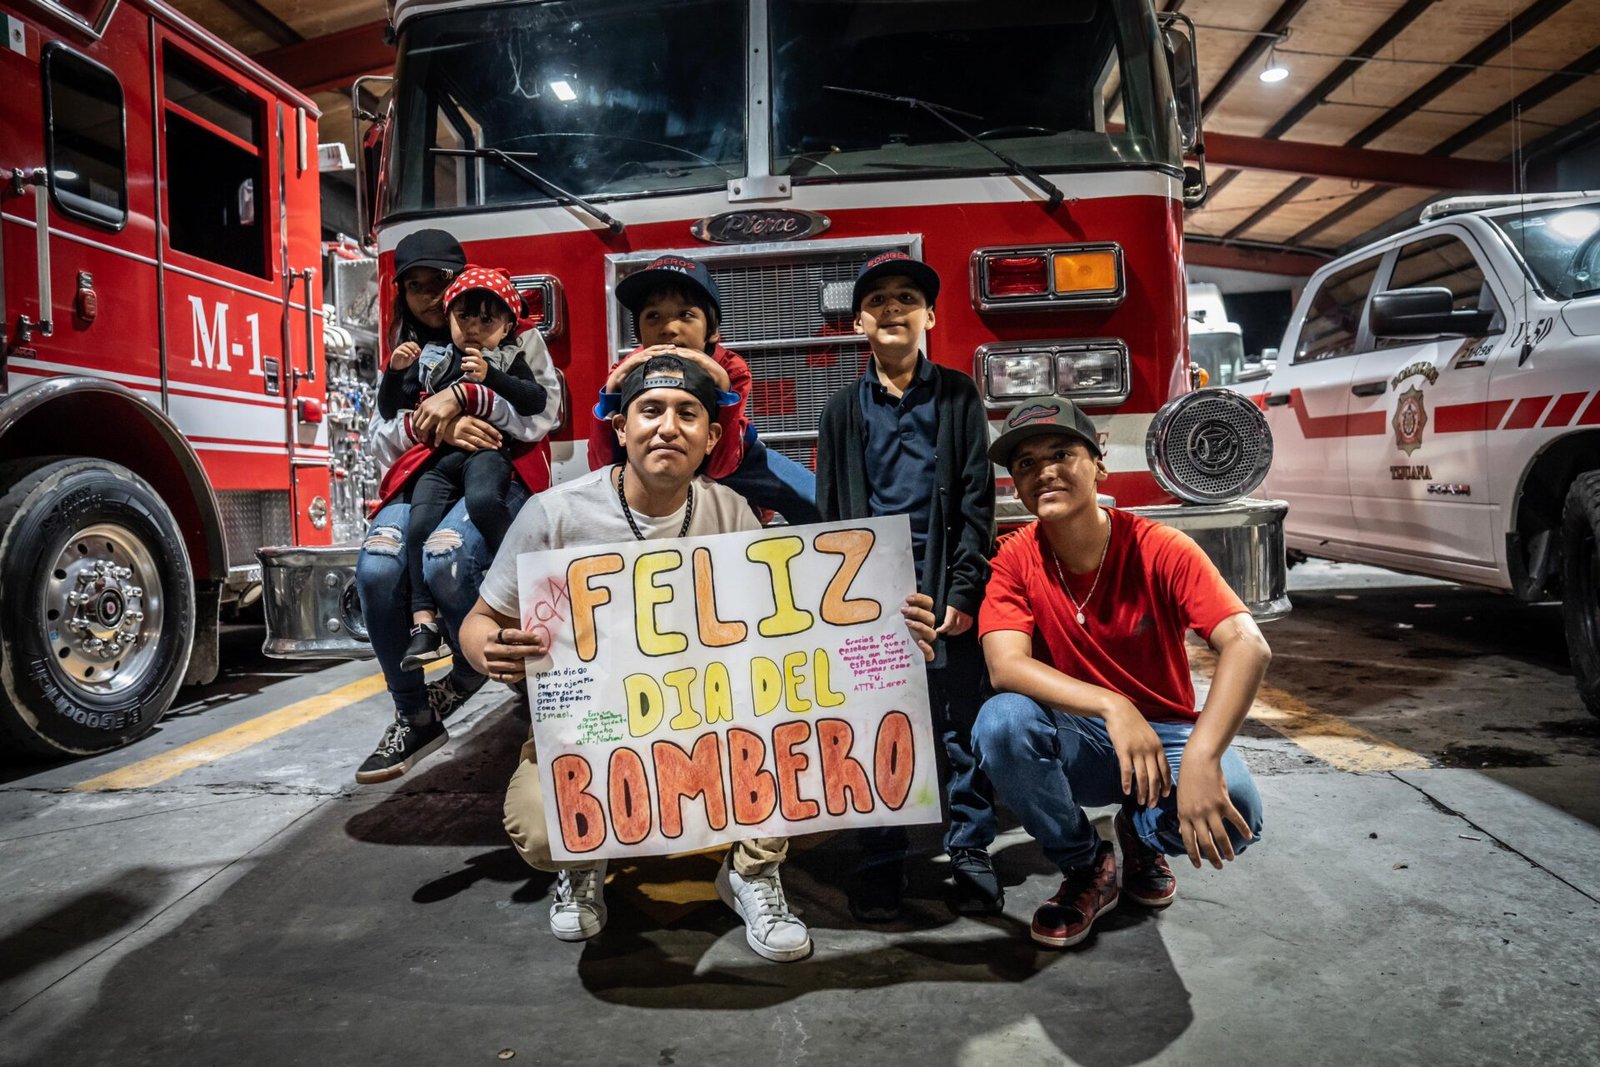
(1436, 903)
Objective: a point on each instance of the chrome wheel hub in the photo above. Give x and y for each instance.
(102, 610)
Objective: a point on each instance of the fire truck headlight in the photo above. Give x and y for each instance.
(1092, 372)
(1018, 375)
(317, 512)
(1209, 446)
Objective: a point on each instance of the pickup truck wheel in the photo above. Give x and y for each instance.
(98, 614)
(1580, 547)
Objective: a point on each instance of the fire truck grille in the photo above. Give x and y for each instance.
(791, 386)
(252, 518)
(787, 312)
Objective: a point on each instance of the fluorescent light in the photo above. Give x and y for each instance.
(563, 92)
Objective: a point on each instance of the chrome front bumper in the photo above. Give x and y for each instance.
(1243, 538)
(312, 609)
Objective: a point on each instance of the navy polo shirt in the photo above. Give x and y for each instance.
(902, 432)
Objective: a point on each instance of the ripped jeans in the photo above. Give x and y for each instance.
(454, 558)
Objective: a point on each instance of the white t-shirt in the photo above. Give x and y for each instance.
(586, 511)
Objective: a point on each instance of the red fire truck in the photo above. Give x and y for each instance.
(1034, 154)
(162, 374)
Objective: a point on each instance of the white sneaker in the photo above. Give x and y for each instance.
(579, 911)
(771, 929)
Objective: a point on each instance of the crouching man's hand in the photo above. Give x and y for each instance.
(494, 645)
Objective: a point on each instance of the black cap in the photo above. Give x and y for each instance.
(924, 277)
(633, 292)
(671, 372)
(429, 248)
(1038, 418)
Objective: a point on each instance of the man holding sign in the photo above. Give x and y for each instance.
(586, 699)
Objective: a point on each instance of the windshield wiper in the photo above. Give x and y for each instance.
(512, 161)
(942, 113)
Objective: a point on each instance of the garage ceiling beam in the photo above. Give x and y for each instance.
(1380, 38)
(1534, 94)
(264, 20)
(1514, 30)
(1276, 25)
(1356, 164)
(1392, 27)
(334, 61)
(1202, 253)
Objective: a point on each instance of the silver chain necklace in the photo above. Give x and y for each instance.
(1061, 574)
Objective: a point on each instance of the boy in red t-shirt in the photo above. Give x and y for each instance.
(1083, 626)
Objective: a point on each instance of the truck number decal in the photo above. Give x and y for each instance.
(211, 344)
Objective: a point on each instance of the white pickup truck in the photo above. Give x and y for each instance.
(1435, 407)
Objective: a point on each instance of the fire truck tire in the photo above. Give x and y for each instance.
(99, 611)
(1580, 605)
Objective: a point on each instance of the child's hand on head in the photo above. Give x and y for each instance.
(718, 372)
(473, 365)
(405, 355)
(620, 374)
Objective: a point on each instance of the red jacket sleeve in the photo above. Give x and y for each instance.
(602, 438)
(733, 420)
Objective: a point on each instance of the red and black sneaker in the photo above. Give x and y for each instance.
(1146, 876)
(1085, 894)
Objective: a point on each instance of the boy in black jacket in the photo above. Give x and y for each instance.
(911, 438)
(482, 307)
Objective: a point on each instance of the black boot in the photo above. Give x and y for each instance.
(978, 888)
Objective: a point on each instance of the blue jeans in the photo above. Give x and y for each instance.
(1045, 764)
(769, 479)
(453, 562)
(954, 693)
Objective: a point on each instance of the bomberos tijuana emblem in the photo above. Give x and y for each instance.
(1410, 412)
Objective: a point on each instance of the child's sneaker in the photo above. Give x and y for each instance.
(403, 746)
(579, 911)
(427, 644)
(1086, 893)
(1146, 876)
(770, 928)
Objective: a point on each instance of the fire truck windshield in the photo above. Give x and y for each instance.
(1076, 84)
(616, 97)
(1220, 355)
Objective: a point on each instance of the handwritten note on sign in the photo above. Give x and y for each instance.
(712, 689)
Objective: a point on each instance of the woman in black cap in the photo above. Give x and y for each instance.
(425, 264)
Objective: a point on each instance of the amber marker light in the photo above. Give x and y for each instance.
(1086, 271)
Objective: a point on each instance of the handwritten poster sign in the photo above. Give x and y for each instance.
(706, 690)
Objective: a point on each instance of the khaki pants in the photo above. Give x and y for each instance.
(525, 823)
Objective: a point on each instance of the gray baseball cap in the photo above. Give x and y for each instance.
(1037, 418)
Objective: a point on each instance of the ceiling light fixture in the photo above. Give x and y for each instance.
(1274, 71)
(564, 92)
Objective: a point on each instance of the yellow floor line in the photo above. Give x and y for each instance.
(1328, 737)
(158, 769)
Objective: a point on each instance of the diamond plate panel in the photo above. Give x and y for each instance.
(252, 518)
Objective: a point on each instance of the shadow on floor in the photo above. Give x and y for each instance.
(396, 923)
